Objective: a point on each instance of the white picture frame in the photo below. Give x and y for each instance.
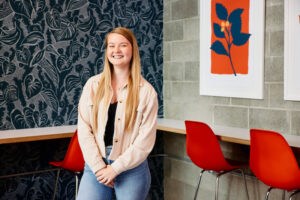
(242, 85)
(291, 50)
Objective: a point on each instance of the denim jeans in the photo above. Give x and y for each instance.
(133, 184)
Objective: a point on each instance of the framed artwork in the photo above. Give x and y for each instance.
(232, 48)
(292, 50)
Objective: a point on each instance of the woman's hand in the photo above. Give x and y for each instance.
(106, 176)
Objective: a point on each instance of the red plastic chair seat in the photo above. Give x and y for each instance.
(203, 148)
(73, 161)
(273, 161)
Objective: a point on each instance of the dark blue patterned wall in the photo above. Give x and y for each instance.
(49, 48)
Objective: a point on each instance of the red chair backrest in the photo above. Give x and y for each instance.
(74, 159)
(272, 160)
(203, 147)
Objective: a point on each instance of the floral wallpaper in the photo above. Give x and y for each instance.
(49, 48)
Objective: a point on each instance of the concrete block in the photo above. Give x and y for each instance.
(185, 172)
(274, 69)
(275, 18)
(185, 92)
(173, 110)
(276, 96)
(173, 30)
(185, 51)
(295, 122)
(167, 90)
(231, 116)
(191, 71)
(174, 71)
(191, 29)
(267, 44)
(276, 43)
(240, 101)
(262, 102)
(175, 144)
(221, 100)
(182, 9)
(200, 110)
(274, 2)
(294, 105)
(173, 189)
(275, 120)
(167, 51)
(167, 11)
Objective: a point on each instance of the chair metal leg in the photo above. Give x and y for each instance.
(293, 194)
(245, 182)
(283, 194)
(56, 183)
(198, 185)
(217, 186)
(268, 192)
(76, 184)
(225, 172)
(217, 181)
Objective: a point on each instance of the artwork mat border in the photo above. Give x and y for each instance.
(291, 92)
(241, 86)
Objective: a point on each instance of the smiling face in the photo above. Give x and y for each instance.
(119, 50)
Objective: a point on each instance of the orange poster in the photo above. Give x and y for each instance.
(230, 36)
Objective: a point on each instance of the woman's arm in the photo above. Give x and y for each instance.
(86, 137)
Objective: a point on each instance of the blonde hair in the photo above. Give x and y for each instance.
(103, 90)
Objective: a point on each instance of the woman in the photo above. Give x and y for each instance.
(117, 124)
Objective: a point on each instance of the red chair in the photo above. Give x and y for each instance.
(73, 161)
(204, 150)
(273, 161)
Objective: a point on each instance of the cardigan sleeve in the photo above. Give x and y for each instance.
(86, 136)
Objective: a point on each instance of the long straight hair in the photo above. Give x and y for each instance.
(104, 87)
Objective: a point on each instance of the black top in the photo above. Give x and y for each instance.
(110, 125)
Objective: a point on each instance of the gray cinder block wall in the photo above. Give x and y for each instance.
(182, 101)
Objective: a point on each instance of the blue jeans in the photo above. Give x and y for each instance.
(133, 184)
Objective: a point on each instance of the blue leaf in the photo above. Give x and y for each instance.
(72, 82)
(66, 32)
(236, 29)
(18, 120)
(221, 12)
(51, 99)
(76, 4)
(218, 47)
(104, 26)
(23, 55)
(11, 93)
(10, 38)
(236, 21)
(21, 7)
(33, 86)
(240, 39)
(38, 57)
(217, 31)
(33, 38)
(6, 67)
(28, 113)
(85, 25)
(235, 16)
(5, 10)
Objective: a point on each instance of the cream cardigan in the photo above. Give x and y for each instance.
(129, 148)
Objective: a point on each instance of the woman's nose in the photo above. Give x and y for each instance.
(117, 48)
